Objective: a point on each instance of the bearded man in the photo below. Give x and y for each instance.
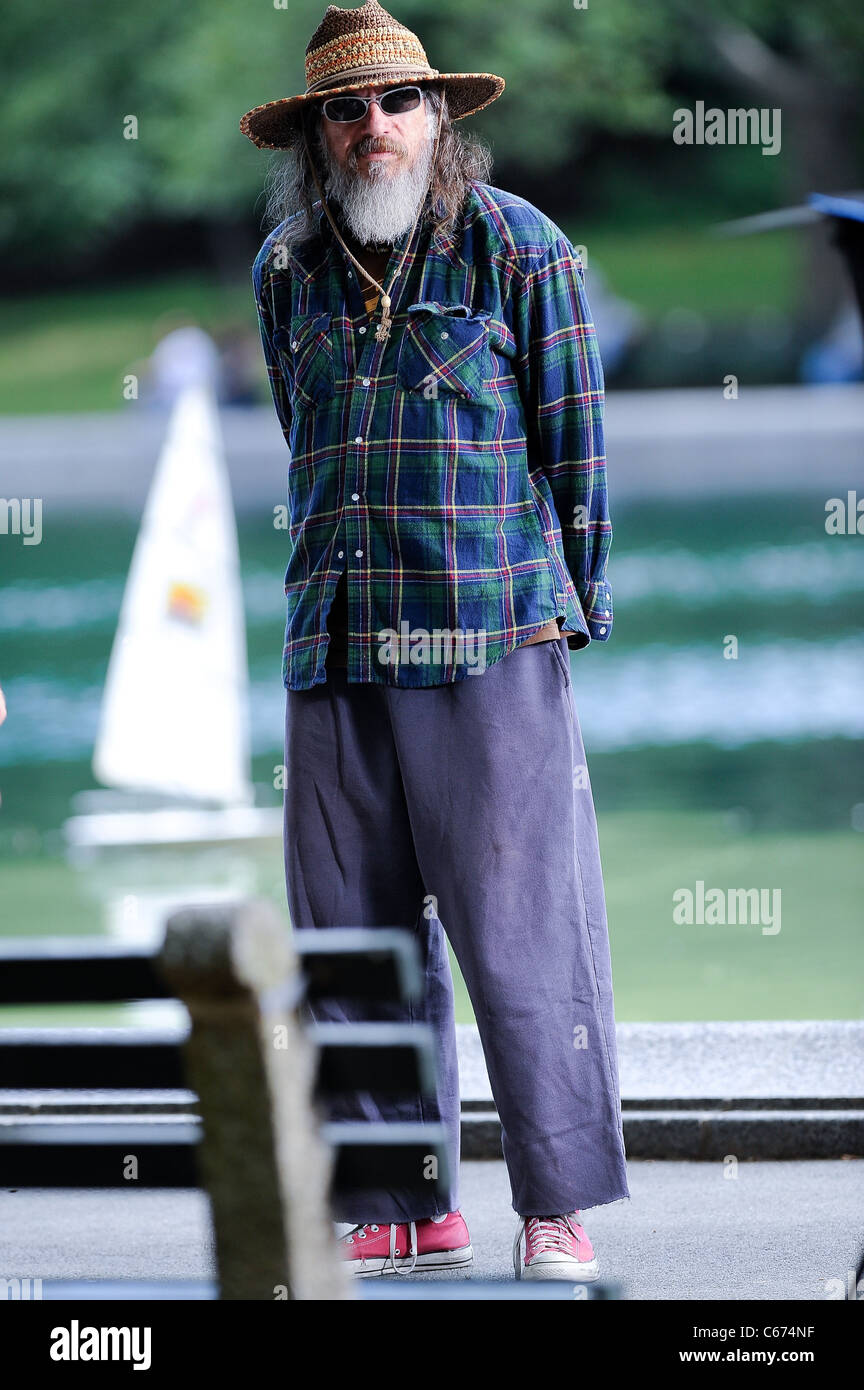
(435, 372)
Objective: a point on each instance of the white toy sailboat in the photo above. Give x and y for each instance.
(174, 727)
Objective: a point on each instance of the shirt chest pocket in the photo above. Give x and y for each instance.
(306, 352)
(445, 351)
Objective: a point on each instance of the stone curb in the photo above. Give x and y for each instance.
(708, 1136)
(706, 1091)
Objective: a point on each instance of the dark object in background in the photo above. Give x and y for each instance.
(847, 217)
(837, 355)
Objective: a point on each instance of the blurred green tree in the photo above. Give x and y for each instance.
(69, 179)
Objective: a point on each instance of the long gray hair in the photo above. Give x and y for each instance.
(290, 188)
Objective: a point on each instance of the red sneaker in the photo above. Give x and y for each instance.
(556, 1247)
(434, 1243)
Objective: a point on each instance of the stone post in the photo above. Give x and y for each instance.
(262, 1160)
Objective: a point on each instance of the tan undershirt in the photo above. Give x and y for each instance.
(337, 618)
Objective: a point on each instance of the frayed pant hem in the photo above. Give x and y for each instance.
(575, 1206)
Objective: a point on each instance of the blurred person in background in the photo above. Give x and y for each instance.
(184, 356)
(434, 369)
(239, 356)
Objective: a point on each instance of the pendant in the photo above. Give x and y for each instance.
(382, 332)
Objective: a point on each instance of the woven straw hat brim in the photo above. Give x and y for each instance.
(273, 125)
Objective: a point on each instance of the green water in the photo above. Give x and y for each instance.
(739, 774)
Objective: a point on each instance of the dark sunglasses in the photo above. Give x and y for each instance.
(393, 103)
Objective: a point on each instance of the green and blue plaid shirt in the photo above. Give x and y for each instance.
(455, 471)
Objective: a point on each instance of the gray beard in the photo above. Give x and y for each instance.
(384, 206)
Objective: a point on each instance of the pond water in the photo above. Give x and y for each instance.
(762, 750)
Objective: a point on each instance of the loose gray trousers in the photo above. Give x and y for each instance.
(466, 809)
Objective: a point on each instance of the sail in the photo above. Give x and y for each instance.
(174, 715)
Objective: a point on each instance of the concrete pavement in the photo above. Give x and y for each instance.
(660, 443)
(784, 1230)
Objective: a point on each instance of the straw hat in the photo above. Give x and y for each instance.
(366, 47)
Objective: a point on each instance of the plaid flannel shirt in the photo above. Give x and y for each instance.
(457, 470)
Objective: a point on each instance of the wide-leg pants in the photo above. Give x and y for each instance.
(467, 809)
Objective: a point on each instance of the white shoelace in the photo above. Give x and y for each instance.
(550, 1235)
(360, 1233)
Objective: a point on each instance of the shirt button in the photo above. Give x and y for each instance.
(359, 554)
(445, 335)
(294, 345)
(367, 381)
(361, 330)
(355, 496)
(602, 629)
(608, 613)
(340, 554)
(359, 439)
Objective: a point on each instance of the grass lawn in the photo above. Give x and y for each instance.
(687, 267)
(812, 968)
(70, 352)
